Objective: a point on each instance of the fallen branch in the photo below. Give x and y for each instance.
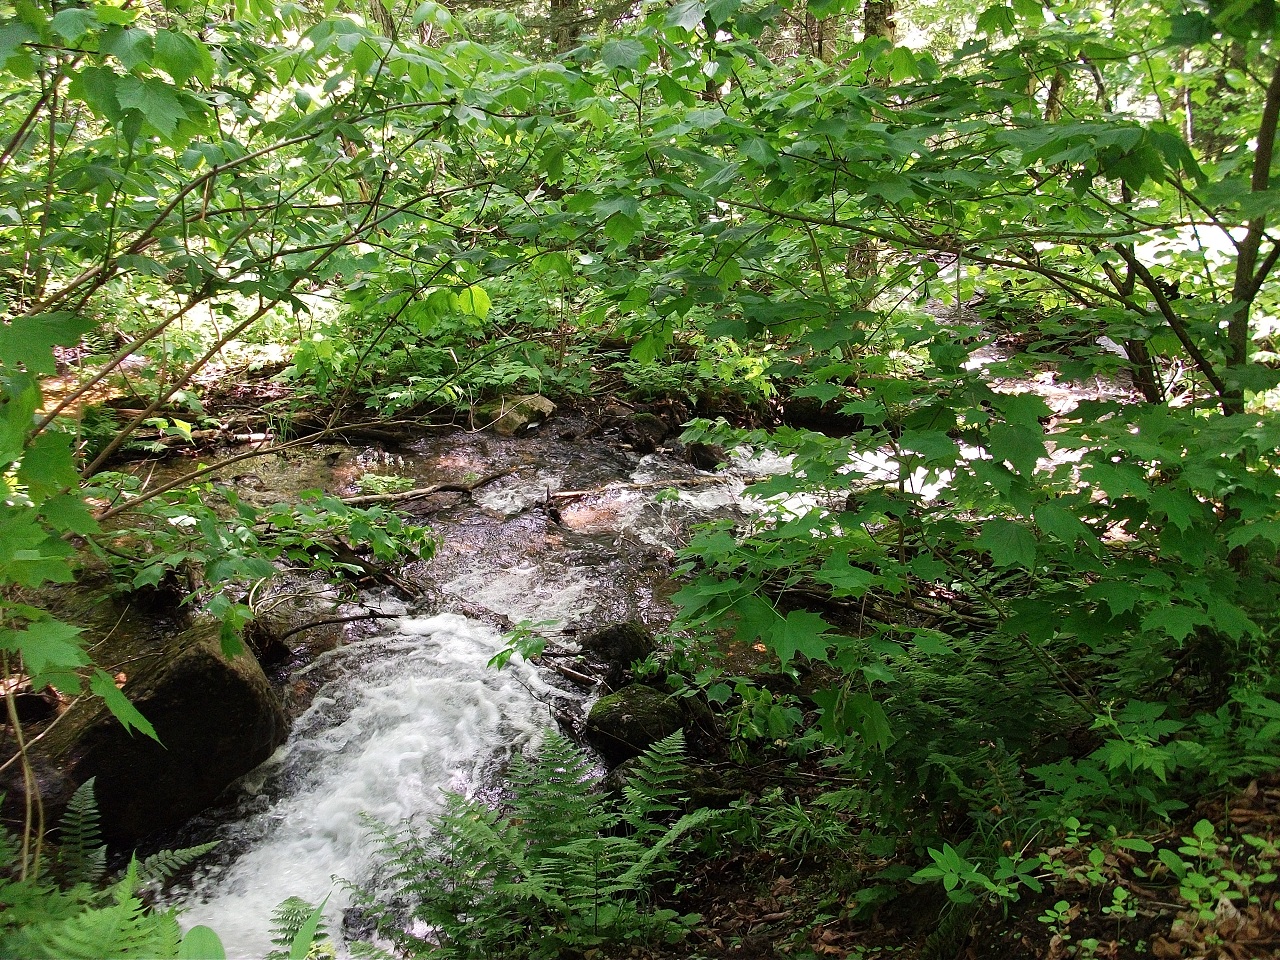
(404, 495)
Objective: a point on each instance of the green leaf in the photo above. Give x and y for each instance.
(1178, 621)
(47, 466)
(621, 228)
(801, 632)
(933, 445)
(104, 685)
(623, 53)
(183, 57)
(1020, 446)
(931, 642)
(687, 14)
(73, 23)
(474, 301)
(1178, 506)
(1010, 544)
(28, 342)
(47, 647)
(157, 102)
(201, 943)
(302, 940)
(1060, 522)
(846, 579)
(1118, 480)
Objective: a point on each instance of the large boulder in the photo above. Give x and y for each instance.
(217, 719)
(625, 724)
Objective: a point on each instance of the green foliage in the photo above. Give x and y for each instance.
(79, 918)
(560, 870)
(297, 930)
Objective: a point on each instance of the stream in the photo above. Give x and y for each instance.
(406, 712)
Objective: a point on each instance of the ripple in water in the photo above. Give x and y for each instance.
(411, 714)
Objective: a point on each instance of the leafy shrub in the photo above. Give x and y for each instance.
(563, 869)
(76, 917)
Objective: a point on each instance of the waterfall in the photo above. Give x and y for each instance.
(408, 715)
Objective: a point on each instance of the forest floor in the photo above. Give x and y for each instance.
(1225, 905)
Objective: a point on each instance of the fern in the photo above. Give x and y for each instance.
(656, 783)
(115, 924)
(82, 856)
(80, 919)
(562, 870)
(289, 922)
(159, 867)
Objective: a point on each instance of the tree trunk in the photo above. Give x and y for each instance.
(566, 24)
(877, 20)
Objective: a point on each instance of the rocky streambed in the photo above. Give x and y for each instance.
(376, 701)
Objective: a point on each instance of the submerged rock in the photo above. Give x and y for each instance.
(624, 724)
(216, 718)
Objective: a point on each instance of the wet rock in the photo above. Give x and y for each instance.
(512, 414)
(617, 647)
(705, 456)
(216, 718)
(645, 432)
(623, 724)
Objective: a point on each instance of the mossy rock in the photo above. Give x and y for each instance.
(217, 719)
(625, 724)
(618, 646)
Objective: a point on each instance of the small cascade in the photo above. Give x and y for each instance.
(408, 715)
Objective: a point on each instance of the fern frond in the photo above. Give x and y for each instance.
(125, 929)
(287, 920)
(159, 867)
(82, 856)
(656, 784)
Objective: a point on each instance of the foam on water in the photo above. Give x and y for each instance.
(413, 713)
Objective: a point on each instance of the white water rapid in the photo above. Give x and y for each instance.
(409, 714)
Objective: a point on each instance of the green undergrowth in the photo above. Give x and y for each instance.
(561, 869)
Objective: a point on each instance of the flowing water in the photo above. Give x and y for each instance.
(406, 715)
(403, 715)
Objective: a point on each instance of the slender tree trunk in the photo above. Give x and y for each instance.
(863, 258)
(1249, 274)
(566, 24)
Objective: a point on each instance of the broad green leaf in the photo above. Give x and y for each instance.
(28, 342)
(1058, 521)
(201, 943)
(623, 53)
(183, 57)
(933, 445)
(1019, 445)
(73, 23)
(157, 102)
(474, 301)
(687, 14)
(1010, 544)
(1118, 480)
(104, 685)
(847, 580)
(47, 647)
(801, 632)
(1178, 621)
